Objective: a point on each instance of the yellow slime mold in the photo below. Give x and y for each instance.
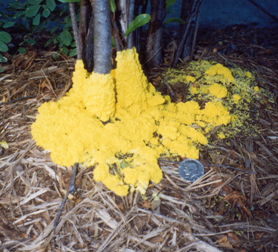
(143, 125)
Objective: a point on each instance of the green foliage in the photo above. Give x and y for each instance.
(73, 52)
(3, 47)
(169, 3)
(5, 38)
(35, 16)
(36, 20)
(50, 4)
(3, 59)
(22, 50)
(172, 20)
(8, 24)
(65, 37)
(140, 20)
(112, 5)
(32, 10)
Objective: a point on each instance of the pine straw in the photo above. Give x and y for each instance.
(225, 210)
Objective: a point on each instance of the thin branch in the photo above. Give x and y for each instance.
(118, 42)
(195, 34)
(72, 190)
(195, 7)
(19, 99)
(172, 93)
(264, 10)
(75, 31)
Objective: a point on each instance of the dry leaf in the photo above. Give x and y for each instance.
(234, 239)
(121, 206)
(224, 242)
(259, 235)
(157, 239)
(45, 84)
(147, 204)
(78, 201)
(24, 235)
(238, 198)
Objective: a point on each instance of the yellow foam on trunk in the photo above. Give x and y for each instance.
(143, 124)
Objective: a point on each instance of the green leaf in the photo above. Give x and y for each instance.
(19, 14)
(68, 22)
(54, 29)
(169, 3)
(4, 144)
(22, 50)
(66, 37)
(34, 2)
(124, 164)
(113, 42)
(3, 15)
(3, 59)
(36, 20)
(73, 44)
(112, 5)
(140, 20)
(8, 24)
(1, 69)
(50, 4)
(31, 41)
(3, 47)
(5, 37)
(172, 20)
(15, 5)
(46, 12)
(57, 55)
(73, 52)
(32, 10)
(69, 1)
(65, 50)
(48, 42)
(170, 11)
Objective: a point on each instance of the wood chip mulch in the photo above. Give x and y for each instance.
(226, 210)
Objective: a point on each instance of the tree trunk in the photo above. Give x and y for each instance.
(102, 31)
(154, 40)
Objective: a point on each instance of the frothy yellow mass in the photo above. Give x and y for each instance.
(218, 90)
(221, 70)
(143, 125)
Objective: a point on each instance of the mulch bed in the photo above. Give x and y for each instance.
(226, 210)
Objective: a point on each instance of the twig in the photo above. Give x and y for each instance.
(75, 31)
(264, 10)
(19, 99)
(172, 93)
(230, 167)
(118, 42)
(195, 34)
(196, 5)
(71, 190)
